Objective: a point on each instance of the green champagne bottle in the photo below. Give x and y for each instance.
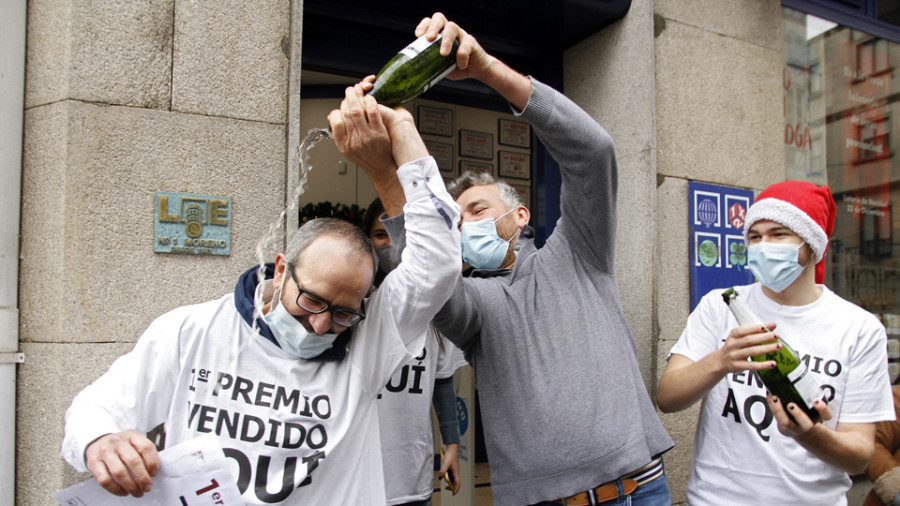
(790, 380)
(412, 71)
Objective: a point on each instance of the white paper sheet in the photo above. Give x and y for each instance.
(193, 473)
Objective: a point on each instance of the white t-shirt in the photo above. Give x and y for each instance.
(296, 431)
(739, 455)
(407, 432)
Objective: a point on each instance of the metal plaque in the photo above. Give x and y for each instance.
(191, 224)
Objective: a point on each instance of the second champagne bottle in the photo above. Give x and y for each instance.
(790, 380)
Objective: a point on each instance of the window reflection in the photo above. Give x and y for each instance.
(840, 102)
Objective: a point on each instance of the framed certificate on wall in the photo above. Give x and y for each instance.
(524, 192)
(435, 121)
(474, 166)
(514, 133)
(514, 164)
(476, 144)
(443, 155)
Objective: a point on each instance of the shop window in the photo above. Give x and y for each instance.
(815, 79)
(817, 158)
(874, 141)
(871, 58)
(840, 95)
(879, 18)
(889, 11)
(875, 232)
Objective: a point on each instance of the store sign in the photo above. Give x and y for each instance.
(192, 224)
(717, 249)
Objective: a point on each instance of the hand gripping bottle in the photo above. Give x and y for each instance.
(790, 380)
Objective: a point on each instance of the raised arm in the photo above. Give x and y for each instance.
(412, 293)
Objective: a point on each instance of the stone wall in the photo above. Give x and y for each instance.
(124, 99)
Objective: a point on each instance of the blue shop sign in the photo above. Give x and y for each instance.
(717, 249)
(192, 224)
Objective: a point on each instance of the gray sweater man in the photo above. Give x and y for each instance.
(564, 406)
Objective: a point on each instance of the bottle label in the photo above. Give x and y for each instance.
(807, 386)
(417, 46)
(438, 78)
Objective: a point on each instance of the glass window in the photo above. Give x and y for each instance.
(889, 11)
(840, 100)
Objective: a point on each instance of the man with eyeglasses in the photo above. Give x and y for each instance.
(286, 371)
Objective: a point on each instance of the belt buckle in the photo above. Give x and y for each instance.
(603, 493)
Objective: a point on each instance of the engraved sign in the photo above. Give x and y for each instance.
(191, 224)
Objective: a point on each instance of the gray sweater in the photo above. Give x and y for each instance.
(562, 399)
(563, 403)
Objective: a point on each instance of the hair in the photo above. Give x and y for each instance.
(468, 179)
(375, 210)
(357, 242)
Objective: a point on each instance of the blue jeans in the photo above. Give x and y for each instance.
(426, 502)
(655, 493)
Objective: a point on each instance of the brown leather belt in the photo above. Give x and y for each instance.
(603, 493)
(608, 491)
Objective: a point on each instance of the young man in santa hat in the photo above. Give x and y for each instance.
(747, 448)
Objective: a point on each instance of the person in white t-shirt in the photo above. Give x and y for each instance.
(291, 394)
(404, 406)
(747, 450)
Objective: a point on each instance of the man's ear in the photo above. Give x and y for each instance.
(280, 266)
(522, 216)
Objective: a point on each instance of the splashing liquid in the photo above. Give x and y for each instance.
(267, 241)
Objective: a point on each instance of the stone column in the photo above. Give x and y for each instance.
(124, 99)
(718, 115)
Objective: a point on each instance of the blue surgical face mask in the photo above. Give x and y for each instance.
(775, 265)
(290, 334)
(482, 247)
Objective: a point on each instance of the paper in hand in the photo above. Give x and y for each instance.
(193, 473)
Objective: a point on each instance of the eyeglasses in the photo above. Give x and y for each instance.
(311, 302)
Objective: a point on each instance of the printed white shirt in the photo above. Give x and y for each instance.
(296, 431)
(739, 455)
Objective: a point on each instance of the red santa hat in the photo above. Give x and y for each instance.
(806, 209)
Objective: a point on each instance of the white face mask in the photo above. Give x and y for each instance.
(775, 265)
(292, 336)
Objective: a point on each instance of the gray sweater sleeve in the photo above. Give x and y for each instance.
(587, 160)
(587, 224)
